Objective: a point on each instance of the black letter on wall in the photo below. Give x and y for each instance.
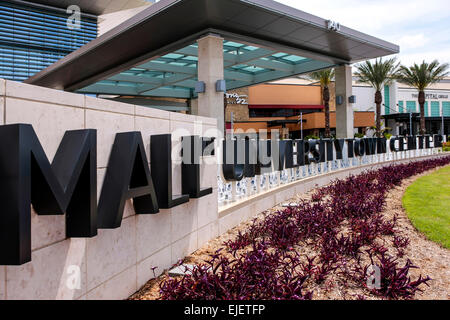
(127, 176)
(339, 146)
(233, 153)
(68, 185)
(190, 168)
(161, 163)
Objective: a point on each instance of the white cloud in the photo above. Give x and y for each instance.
(413, 41)
(443, 56)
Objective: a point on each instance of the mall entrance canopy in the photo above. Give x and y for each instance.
(167, 48)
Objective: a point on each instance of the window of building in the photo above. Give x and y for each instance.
(265, 113)
(435, 112)
(387, 102)
(31, 39)
(411, 106)
(446, 108)
(400, 107)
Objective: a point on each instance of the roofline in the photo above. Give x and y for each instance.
(162, 5)
(321, 22)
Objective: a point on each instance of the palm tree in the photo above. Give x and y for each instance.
(421, 77)
(325, 77)
(377, 74)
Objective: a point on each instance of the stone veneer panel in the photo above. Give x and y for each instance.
(151, 126)
(109, 106)
(28, 92)
(111, 252)
(54, 226)
(207, 233)
(152, 113)
(2, 109)
(50, 121)
(153, 233)
(209, 209)
(2, 282)
(128, 210)
(161, 260)
(120, 286)
(107, 125)
(184, 219)
(48, 275)
(2, 87)
(184, 247)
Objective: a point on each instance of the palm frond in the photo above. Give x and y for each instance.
(324, 77)
(378, 73)
(423, 75)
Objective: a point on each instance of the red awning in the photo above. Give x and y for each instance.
(285, 106)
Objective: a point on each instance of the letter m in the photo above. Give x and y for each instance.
(67, 185)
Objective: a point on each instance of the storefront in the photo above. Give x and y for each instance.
(282, 105)
(401, 111)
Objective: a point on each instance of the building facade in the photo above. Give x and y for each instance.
(36, 34)
(33, 37)
(401, 111)
(282, 104)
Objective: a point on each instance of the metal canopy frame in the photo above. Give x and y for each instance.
(175, 74)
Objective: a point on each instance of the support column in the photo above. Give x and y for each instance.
(344, 112)
(210, 69)
(393, 90)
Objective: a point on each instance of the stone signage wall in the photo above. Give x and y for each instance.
(116, 262)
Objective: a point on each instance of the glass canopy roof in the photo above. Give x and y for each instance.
(175, 74)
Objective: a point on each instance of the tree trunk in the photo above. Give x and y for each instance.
(422, 112)
(378, 101)
(326, 100)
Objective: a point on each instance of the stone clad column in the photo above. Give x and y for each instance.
(393, 89)
(344, 112)
(210, 69)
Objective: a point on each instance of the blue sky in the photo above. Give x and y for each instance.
(421, 28)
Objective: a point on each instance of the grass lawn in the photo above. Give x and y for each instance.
(427, 203)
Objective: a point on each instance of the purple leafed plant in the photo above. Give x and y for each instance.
(256, 275)
(395, 281)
